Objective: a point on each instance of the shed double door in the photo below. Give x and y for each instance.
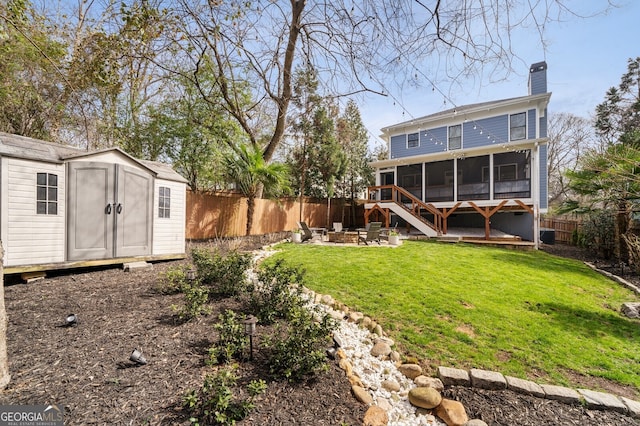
(109, 211)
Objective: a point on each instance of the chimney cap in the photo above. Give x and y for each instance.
(538, 66)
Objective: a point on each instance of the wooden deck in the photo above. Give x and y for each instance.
(476, 236)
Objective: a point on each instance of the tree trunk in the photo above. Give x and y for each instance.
(5, 377)
(251, 205)
(328, 212)
(621, 224)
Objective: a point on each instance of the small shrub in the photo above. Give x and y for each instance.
(195, 301)
(215, 404)
(224, 275)
(174, 280)
(598, 233)
(231, 339)
(297, 350)
(278, 293)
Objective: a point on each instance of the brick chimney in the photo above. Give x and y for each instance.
(538, 78)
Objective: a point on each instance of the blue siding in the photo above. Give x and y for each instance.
(493, 129)
(515, 224)
(531, 124)
(398, 145)
(543, 125)
(497, 128)
(427, 145)
(544, 190)
(538, 78)
(433, 140)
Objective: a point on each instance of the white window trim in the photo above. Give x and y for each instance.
(166, 211)
(461, 137)
(413, 147)
(526, 125)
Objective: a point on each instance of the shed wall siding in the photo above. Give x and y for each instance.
(31, 238)
(169, 233)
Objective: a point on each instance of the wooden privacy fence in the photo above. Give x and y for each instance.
(563, 228)
(217, 215)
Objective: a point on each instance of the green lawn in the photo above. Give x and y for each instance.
(526, 314)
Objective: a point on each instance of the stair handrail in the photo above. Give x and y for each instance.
(416, 204)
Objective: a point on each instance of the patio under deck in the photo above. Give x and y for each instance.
(454, 235)
(477, 236)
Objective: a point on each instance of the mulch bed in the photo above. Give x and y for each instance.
(87, 367)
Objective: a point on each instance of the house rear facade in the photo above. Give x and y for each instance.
(475, 166)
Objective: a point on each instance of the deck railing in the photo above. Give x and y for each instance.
(408, 201)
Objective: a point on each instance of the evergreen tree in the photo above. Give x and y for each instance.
(611, 179)
(353, 138)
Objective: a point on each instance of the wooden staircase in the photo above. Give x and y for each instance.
(424, 217)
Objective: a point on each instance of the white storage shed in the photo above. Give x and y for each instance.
(62, 207)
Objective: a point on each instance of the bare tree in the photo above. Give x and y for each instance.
(355, 47)
(570, 137)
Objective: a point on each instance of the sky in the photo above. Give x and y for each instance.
(585, 57)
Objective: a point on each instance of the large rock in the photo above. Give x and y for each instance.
(346, 366)
(391, 385)
(362, 395)
(429, 382)
(375, 416)
(410, 370)
(377, 330)
(631, 309)
(384, 403)
(380, 349)
(356, 317)
(425, 397)
(366, 323)
(385, 339)
(327, 300)
(355, 380)
(452, 413)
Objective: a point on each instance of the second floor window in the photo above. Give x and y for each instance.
(518, 126)
(455, 137)
(413, 140)
(46, 193)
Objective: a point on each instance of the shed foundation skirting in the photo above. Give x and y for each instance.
(90, 263)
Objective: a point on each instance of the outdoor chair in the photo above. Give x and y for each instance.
(306, 232)
(373, 233)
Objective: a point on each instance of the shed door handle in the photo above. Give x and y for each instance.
(119, 208)
(107, 210)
